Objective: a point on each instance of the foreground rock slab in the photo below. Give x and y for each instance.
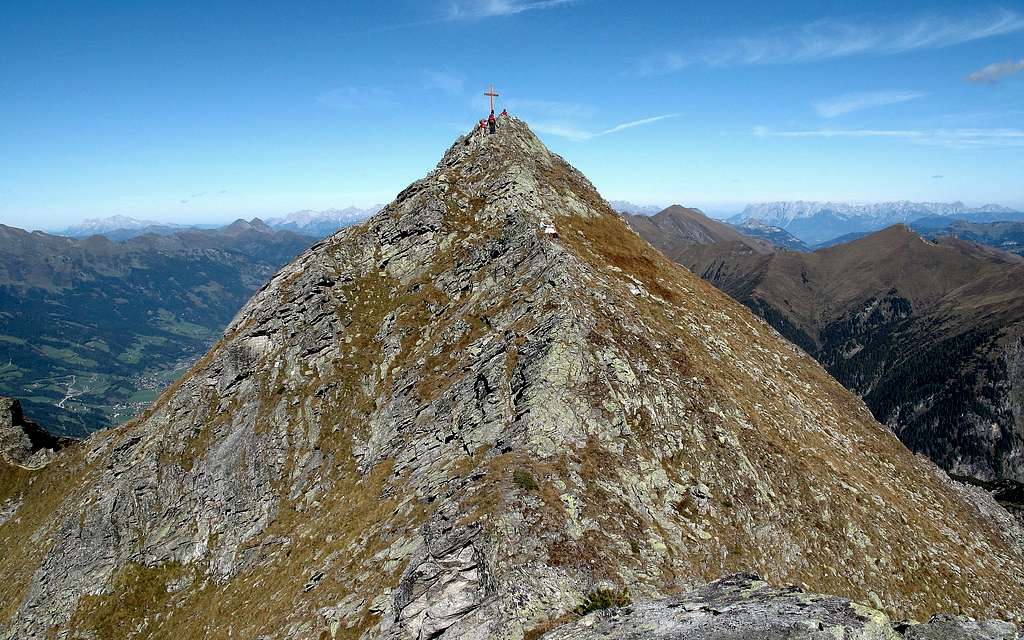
(743, 607)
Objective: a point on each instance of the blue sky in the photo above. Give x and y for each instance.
(190, 112)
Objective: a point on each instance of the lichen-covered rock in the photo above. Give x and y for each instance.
(743, 607)
(946, 627)
(455, 419)
(740, 607)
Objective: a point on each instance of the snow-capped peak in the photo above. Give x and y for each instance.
(782, 213)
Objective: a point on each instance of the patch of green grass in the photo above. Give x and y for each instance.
(172, 324)
(524, 480)
(67, 355)
(603, 598)
(98, 345)
(9, 372)
(144, 395)
(135, 353)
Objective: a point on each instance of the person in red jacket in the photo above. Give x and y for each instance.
(504, 113)
(483, 125)
(492, 124)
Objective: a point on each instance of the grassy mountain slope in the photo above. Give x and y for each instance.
(929, 333)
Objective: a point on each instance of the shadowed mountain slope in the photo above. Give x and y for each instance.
(775, 235)
(1008, 236)
(458, 418)
(930, 333)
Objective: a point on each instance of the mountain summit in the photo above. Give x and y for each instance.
(460, 417)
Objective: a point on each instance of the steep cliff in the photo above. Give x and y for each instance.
(457, 419)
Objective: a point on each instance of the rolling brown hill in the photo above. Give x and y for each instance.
(681, 227)
(929, 333)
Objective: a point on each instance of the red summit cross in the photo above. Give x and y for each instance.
(490, 93)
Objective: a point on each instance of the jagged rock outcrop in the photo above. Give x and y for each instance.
(742, 607)
(24, 443)
(455, 419)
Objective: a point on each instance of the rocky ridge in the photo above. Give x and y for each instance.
(457, 419)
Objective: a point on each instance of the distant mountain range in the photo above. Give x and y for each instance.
(775, 235)
(315, 224)
(819, 222)
(929, 332)
(623, 206)
(686, 226)
(783, 213)
(1008, 236)
(322, 223)
(119, 228)
(91, 329)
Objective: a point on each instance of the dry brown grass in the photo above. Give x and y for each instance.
(606, 240)
(535, 632)
(42, 492)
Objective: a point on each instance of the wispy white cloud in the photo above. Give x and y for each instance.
(475, 10)
(828, 39)
(446, 81)
(952, 138)
(551, 109)
(201, 194)
(850, 102)
(355, 98)
(582, 135)
(478, 9)
(993, 73)
(637, 123)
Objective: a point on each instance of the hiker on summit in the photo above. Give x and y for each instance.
(483, 125)
(503, 114)
(492, 123)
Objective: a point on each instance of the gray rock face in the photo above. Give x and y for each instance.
(23, 443)
(742, 607)
(960, 628)
(946, 627)
(455, 419)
